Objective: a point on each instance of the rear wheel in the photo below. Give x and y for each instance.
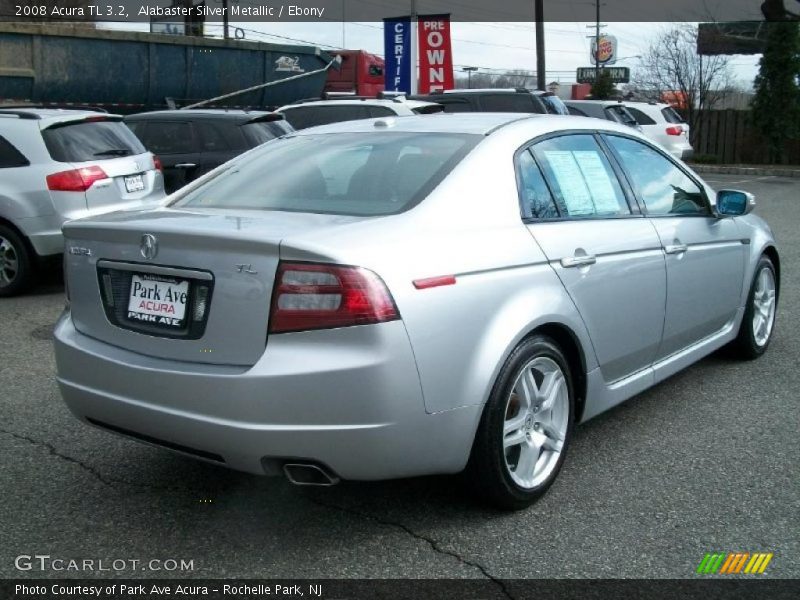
(16, 266)
(525, 428)
(758, 322)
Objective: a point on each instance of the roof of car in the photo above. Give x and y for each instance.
(201, 113)
(50, 115)
(477, 123)
(352, 101)
(595, 102)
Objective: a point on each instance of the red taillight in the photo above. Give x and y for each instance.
(676, 130)
(157, 163)
(76, 180)
(319, 296)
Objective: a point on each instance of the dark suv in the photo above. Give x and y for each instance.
(497, 100)
(190, 143)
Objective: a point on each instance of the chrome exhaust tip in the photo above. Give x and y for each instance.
(309, 474)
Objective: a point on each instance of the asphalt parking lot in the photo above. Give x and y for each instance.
(707, 461)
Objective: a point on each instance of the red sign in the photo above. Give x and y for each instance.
(435, 54)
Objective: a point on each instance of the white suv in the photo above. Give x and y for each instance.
(305, 114)
(57, 165)
(662, 124)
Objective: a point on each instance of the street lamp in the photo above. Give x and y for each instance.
(469, 71)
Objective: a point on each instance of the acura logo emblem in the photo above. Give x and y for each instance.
(148, 246)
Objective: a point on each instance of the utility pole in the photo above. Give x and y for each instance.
(225, 19)
(469, 71)
(540, 58)
(597, 43)
(414, 48)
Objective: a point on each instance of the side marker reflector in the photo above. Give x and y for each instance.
(432, 282)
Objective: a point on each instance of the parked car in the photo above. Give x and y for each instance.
(191, 143)
(662, 123)
(519, 100)
(373, 299)
(311, 113)
(611, 110)
(57, 165)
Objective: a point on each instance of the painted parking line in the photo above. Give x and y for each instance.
(751, 180)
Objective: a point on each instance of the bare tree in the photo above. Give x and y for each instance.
(672, 69)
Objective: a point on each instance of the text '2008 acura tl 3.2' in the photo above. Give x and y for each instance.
(408, 296)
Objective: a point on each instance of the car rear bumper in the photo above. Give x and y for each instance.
(348, 399)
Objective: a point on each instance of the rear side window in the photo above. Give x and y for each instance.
(168, 137)
(671, 115)
(537, 202)
(90, 140)
(554, 104)
(380, 111)
(581, 178)
(576, 112)
(620, 114)
(641, 118)
(360, 174)
(10, 157)
(509, 103)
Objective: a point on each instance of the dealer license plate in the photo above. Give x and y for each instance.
(134, 183)
(159, 301)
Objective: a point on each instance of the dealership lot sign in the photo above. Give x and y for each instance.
(435, 55)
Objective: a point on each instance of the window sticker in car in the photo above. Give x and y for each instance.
(573, 187)
(598, 181)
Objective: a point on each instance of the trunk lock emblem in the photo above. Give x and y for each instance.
(148, 247)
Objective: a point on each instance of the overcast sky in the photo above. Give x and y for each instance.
(495, 46)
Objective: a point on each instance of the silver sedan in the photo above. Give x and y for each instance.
(408, 296)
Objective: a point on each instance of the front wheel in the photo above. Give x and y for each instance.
(758, 322)
(525, 428)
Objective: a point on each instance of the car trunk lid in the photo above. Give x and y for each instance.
(177, 284)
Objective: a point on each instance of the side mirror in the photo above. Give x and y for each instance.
(734, 203)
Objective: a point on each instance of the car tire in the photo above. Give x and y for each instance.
(525, 428)
(16, 263)
(758, 323)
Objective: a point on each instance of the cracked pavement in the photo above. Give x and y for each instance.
(707, 461)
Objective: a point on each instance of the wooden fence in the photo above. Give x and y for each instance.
(730, 136)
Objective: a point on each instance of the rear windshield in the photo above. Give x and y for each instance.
(258, 133)
(359, 174)
(311, 116)
(91, 140)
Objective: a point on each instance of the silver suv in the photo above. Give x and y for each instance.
(57, 165)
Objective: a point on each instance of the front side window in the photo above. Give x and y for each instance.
(582, 180)
(359, 174)
(664, 188)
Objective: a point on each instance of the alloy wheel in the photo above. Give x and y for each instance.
(764, 306)
(536, 422)
(9, 262)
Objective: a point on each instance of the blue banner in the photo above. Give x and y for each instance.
(397, 52)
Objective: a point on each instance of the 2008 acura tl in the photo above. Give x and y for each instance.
(397, 297)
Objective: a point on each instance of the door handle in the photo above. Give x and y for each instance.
(571, 262)
(676, 249)
(185, 166)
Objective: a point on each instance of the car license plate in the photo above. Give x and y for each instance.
(159, 301)
(134, 183)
